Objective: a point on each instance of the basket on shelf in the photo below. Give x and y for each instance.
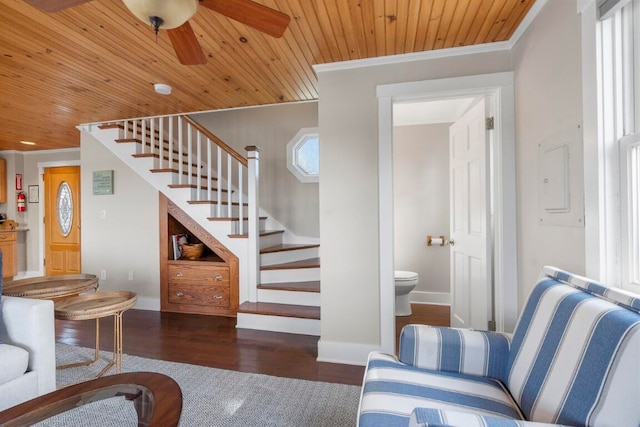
(192, 251)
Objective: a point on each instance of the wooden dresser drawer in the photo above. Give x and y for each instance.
(197, 272)
(199, 294)
(7, 236)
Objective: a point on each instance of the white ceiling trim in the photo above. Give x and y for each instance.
(414, 56)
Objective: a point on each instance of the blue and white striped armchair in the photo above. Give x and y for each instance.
(573, 359)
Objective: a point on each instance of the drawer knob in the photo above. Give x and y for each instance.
(218, 296)
(3, 236)
(179, 294)
(178, 274)
(217, 277)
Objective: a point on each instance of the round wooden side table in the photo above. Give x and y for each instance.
(50, 287)
(96, 306)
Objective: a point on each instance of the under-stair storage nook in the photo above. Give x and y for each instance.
(207, 285)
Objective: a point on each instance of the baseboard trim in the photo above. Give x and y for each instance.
(150, 304)
(436, 298)
(345, 353)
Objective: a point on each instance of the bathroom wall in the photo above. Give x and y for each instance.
(421, 207)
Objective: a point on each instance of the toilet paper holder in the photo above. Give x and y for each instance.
(436, 241)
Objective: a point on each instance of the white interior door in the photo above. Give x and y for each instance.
(470, 221)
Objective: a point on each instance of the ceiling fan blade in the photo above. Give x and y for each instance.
(255, 15)
(55, 5)
(186, 45)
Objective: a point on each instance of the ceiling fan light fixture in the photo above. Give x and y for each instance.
(165, 14)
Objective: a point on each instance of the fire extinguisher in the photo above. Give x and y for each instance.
(22, 205)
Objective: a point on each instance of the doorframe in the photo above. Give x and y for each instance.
(498, 88)
(41, 208)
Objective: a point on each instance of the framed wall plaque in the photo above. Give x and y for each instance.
(102, 182)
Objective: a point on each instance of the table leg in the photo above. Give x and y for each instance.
(96, 353)
(118, 343)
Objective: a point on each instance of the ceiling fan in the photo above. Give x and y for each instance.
(174, 15)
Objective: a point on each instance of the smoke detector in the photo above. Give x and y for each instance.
(162, 88)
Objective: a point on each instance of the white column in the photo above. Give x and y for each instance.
(253, 213)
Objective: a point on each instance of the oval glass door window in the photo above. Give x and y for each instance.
(64, 207)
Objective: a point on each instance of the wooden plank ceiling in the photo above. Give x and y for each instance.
(97, 62)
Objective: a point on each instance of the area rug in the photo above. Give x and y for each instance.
(213, 397)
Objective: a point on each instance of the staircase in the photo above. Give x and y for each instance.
(279, 272)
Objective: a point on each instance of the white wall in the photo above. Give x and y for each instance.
(421, 207)
(348, 118)
(547, 65)
(127, 238)
(292, 203)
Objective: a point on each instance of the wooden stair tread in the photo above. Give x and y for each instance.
(231, 218)
(284, 310)
(195, 186)
(213, 202)
(262, 234)
(305, 263)
(129, 128)
(312, 286)
(172, 170)
(288, 247)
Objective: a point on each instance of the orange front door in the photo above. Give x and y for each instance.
(62, 220)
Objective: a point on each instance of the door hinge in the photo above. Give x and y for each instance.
(488, 123)
(491, 326)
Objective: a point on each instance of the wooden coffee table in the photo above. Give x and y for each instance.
(156, 397)
(51, 287)
(96, 306)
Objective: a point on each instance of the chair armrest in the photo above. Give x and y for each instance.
(30, 324)
(430, 417)
(455, 350)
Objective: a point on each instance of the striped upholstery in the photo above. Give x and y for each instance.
(574, 359)
(431, 417)
(392, 390)
(575, 355)
(455, 350)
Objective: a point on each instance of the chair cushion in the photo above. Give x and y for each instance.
(14, 362)
(392, 390)
(429, 417)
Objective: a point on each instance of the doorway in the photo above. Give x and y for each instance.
(424, 213)
(498, 90)
(62, 249)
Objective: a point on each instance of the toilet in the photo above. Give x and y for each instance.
(405, 282)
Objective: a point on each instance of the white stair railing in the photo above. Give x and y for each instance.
(200, 160)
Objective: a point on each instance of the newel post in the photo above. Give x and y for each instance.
(253, 214)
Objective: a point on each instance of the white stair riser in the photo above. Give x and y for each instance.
(290, 275)
(236, 226)
(270, 240)
(175, 179)
(224, 210)
(311, 299)
(289, 256)
(290, 325)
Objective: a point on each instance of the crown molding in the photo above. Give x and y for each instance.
(41, 152)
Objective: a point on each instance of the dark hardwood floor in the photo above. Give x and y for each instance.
(214, 341)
